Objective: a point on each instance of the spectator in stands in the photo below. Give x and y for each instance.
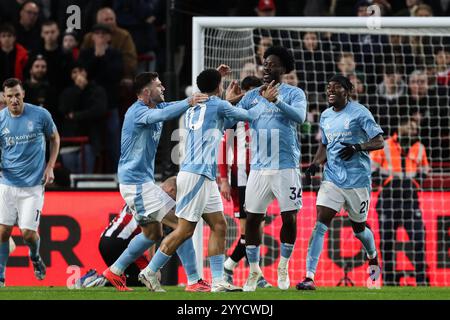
(362, 6)
(422, 10)
(346, 64)
(398, 51)
(249, 69)
(121, 40)
(83, 106)
(313, 64)
(39, 91)
(399, 173)
(442, 59)
(359, 90)
(138, 18)
(70, 43)
(13, 56)
(58, 64)
(430, 108)
(290, 78)
(392, 87)
(385, 103)
(263, 44)
(29, 28)
(104, 64)
(266, 8)
(410, 6)
(9, 10)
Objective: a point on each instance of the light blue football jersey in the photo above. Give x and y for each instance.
(141, 131)
(205, 124)
(274, 137)
(353, 124)
(23, 145)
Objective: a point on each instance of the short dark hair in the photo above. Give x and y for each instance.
(8, 28)
(11, 83)
(49, 23)
(343, 81)
(144, 79)
(208, 80)
(286, 58)
(249, 82)
(27, 2)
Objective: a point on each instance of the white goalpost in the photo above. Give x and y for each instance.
(414, 53)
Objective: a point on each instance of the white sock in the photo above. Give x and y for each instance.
(310, 275)
(372, 257)
(116, 270)
(254, 267)
(283, 264)
(230, 264)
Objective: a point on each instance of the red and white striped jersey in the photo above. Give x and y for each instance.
(124, 226)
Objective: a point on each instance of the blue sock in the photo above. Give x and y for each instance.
(366, 238)
(4, 254)
(253, 257)
(158, 261)
(315, 248)
(286, 250)
(216, 263)
(186, 253)
(135, 249)
(34, 248)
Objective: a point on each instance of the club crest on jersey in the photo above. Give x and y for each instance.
(347, 124)
(255, 101)
(30, 126)
(5, 131)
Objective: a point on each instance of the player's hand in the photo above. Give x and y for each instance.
(225, 189)
(49, 176)
(197, 98)
(349, 150)
(310, 172)
(233, 93)
(224, 70)
(270, 92)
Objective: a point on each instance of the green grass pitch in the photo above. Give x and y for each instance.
(178, 293)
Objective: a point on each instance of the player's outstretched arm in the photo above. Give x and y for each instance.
(171, 111)
(49, 176)
(239, 114)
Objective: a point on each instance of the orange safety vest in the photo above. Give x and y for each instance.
(389, 160)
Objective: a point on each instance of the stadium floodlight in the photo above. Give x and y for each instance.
(410, 56)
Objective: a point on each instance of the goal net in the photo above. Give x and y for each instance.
(401, 72)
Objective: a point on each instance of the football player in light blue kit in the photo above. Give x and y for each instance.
(348, 131)
(274, 171)
(149, 203)
(24, 129)
(198, 195)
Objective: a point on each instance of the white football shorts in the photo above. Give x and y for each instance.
(22, 206)
(196, 195)
(148, 202)
(264, 186)
(355, 201)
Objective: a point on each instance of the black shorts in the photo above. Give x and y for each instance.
(238, 196)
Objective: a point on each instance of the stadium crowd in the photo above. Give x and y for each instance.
(84, 77)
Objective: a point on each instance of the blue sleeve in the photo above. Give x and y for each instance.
(147, 116)
(296, 111)
(234, 113)
(49, 125)
(246, 101)
(368, 124)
